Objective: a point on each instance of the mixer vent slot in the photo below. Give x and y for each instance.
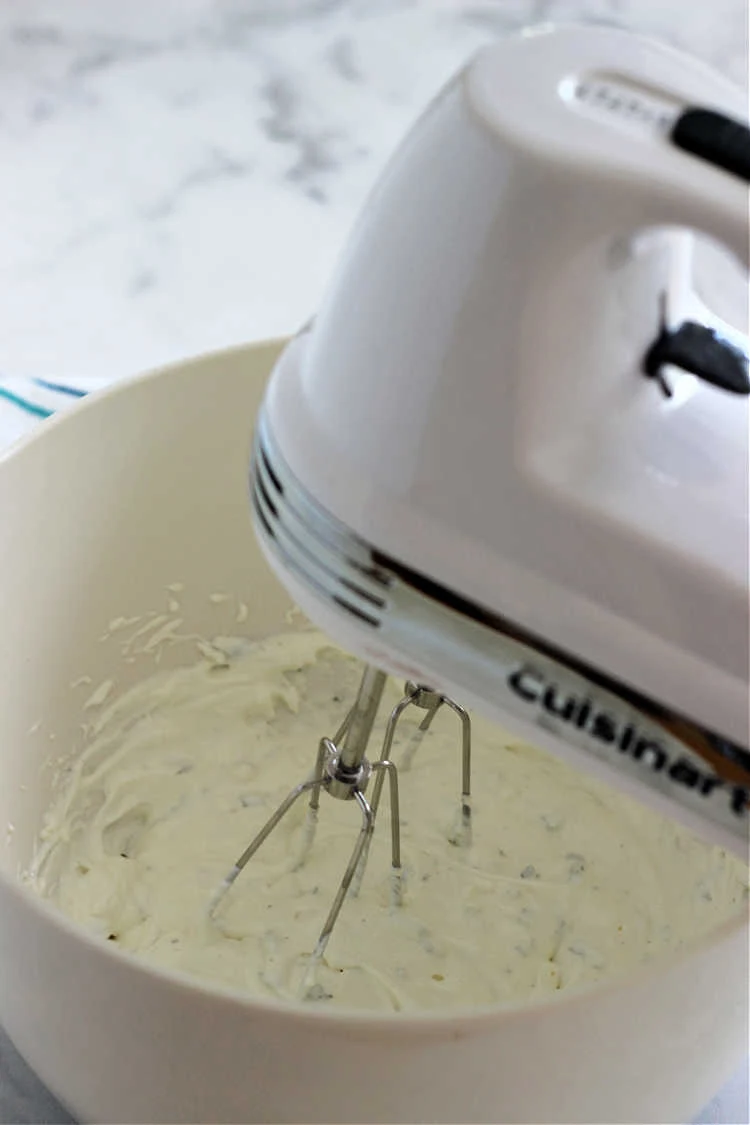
(268, 501)
(319, 550)
(261, 516)
(371, 598)
(269, 469)
(356, 612)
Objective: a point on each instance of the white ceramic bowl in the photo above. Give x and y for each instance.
(145, 486)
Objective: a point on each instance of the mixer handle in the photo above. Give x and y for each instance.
(614, 126)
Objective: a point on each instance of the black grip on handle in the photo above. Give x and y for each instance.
(715, 138)
(699, 350)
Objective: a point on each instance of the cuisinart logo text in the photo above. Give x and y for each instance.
(530, 685)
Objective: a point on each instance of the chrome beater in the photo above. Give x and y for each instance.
(343, 771)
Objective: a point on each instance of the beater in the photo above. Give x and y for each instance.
(509, 458)
(343, 771)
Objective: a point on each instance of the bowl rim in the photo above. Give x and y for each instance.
(426, 1023)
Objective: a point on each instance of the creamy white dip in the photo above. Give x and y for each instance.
(565, 881)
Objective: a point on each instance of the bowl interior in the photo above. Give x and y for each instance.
(135, 506)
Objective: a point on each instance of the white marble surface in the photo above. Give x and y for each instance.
(178, 177)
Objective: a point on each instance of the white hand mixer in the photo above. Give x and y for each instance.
(509, 459)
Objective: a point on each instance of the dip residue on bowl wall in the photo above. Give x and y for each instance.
(566, 882)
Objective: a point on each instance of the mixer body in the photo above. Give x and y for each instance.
(510, 456)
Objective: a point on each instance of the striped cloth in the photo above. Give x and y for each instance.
(25, 402)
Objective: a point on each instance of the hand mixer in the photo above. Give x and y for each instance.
(509, 458)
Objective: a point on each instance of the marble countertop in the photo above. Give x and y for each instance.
(180, 177)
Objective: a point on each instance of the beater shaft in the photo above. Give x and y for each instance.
(358, 731)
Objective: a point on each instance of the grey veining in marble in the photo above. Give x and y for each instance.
(183, 174)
